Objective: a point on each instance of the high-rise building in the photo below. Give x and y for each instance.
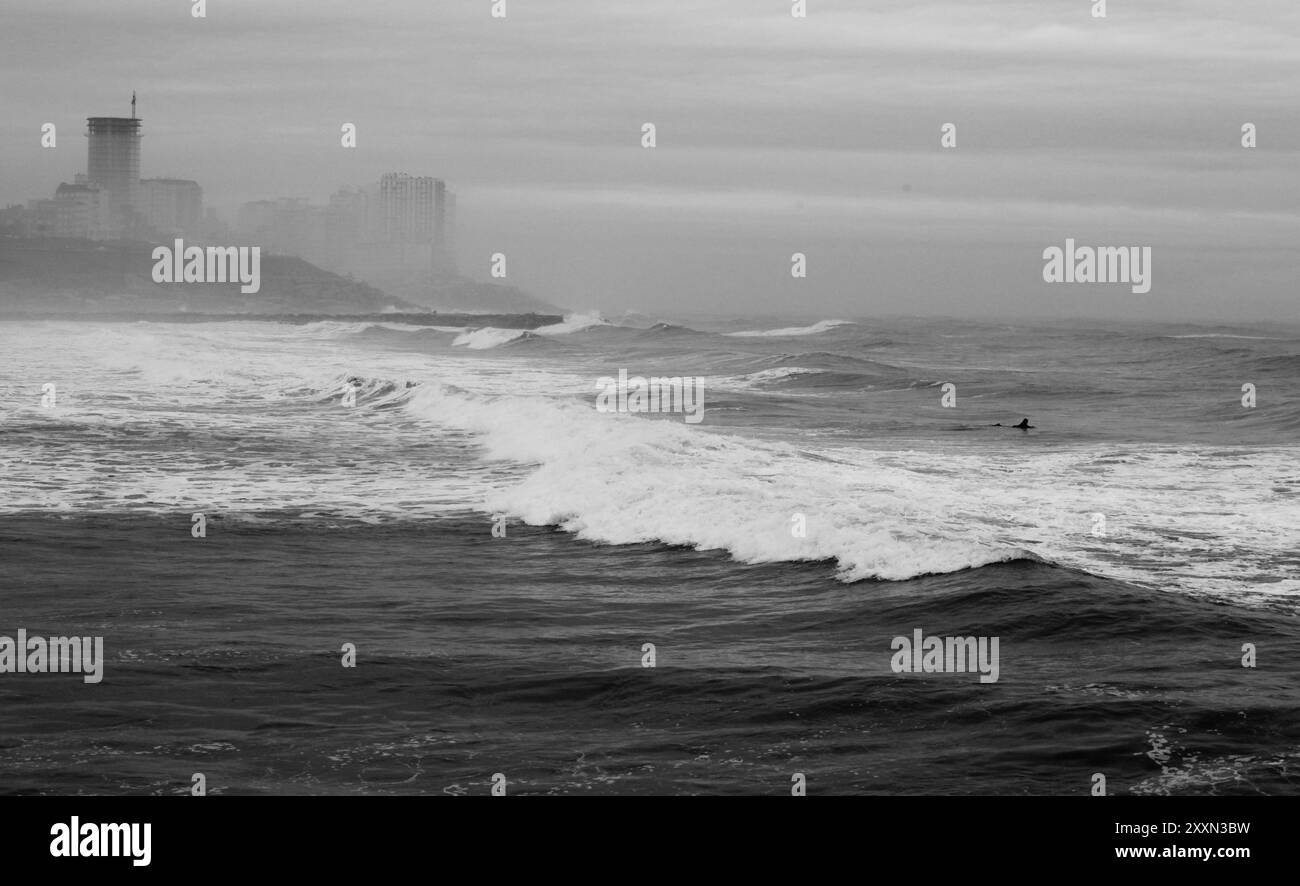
(407, 207)
(81, 211)
(77, 211)
(396, 234)
(113, 163)
(439, 212)
(417, 210)
(445, 257)
(172, 206)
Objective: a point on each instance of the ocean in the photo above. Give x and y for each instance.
(554, 599)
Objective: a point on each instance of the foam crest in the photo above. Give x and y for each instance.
(621, 479)
(487, 337)
(816, 328)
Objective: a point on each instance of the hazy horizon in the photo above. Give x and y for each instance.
(775, 135)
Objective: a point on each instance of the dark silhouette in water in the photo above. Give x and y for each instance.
(1024, 425)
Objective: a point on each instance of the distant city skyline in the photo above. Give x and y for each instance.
(397, 233)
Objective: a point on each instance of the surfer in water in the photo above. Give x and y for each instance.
(1024, 425)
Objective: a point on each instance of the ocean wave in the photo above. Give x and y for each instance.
(663, 330)
(803, 378)
(829, 360)
(493, 337)
(765, 377)
(617, 479)
(816, 328)
(242, 418)
(1279, 363)
(573, 323)
(620, 479)
(816, 370)
(1226, 335)
(349, 328)
(487, 337)
(363, 391)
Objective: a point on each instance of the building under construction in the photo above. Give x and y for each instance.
(113, 163)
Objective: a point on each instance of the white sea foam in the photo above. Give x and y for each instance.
(762, 377)
(493, 337)
(487, 337)
(241, 418)
(820, 326)
(573, 323)
(882, 515)
(621, 480)
(343, 329)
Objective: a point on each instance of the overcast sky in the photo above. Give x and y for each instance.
(775, 135)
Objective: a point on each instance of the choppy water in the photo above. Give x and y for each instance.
(1120, 638)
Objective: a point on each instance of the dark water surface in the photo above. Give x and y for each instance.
(1120, 652)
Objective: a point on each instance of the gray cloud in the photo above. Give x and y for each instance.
(775, 135)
